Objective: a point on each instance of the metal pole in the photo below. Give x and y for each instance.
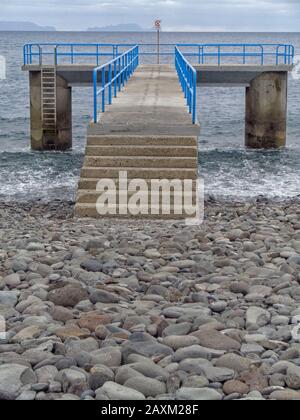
(158, 46)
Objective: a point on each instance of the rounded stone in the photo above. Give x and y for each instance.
(235, 387)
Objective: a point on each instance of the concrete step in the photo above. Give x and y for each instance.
(140, 162)
(91, 197)
(167, 151)
(140, 173)
(90, 184)
(90, 211)
(94, 140)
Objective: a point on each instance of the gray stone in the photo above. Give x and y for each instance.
(147, 386)
(108, 356)
(126, 372)
(70, 376)
(12, 378)
(8, 298)
(68, 296)
(150, 369)
(215, 374)
(194, 366)
(198, 394)
(12, 281)
(195, 382)
(46, 374)
(99, 375)
(216, 340)
(234, 362)
(104, 297)
(74, 346)
(177, 329)
(180, 341)
(92, 265)
(35, 246)
(116, 392)
(19, 265)
(256, 318)
(196, 352)
(147, 349)
(27, 396)
(285, 395)
(293, 377)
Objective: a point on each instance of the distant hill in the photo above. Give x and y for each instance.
(24, 26)
(123, 27)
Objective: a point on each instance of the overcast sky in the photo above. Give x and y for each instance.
(194, 15)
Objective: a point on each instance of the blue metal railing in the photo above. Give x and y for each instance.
(215, 54)
(114, 75)
(188, 80)
(56, 52)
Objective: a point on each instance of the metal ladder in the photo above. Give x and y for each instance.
(48, 90)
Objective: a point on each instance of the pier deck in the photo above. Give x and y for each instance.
(152, 104)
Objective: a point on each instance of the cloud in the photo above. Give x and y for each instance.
(202, 15)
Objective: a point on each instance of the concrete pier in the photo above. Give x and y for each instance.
(266, 111)
(147, 132)
(58, 136)
(266, 103)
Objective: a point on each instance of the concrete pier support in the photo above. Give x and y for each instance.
(43, 138)
(266, 111)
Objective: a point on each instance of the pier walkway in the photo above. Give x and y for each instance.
(147, 132)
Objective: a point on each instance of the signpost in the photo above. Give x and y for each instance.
(158, 28)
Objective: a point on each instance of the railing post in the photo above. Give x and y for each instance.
(72, 54)
(55, 56)
(115, 79)
(120, 74)
(103, 88)
(40, 56)
(195, 97)
(24, 54)
(219, 55)
(244, 54)
(109, 84)
(285, 54)
(123, 71)
(95, 77)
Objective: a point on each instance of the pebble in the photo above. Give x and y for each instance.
(235, 387)
(198, 394)
(141, 310)
(147, 386)
(216, 340)
(113, 391)
(68, 296)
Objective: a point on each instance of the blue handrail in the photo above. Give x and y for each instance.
(114, 75)
(275, 52)
(188, 80)
(266, 53)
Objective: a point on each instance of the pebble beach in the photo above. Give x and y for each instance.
(147, 310)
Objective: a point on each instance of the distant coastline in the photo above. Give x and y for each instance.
(126, 27)
(25, 26)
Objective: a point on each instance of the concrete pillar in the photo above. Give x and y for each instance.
(266, 111)
(43, 139)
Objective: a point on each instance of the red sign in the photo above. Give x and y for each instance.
(158, 24)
